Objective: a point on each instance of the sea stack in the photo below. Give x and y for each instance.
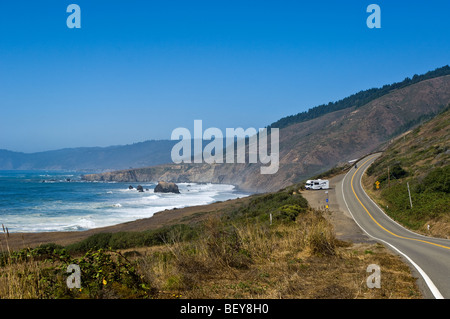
(166, 187)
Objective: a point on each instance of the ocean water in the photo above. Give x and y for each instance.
(43, 201)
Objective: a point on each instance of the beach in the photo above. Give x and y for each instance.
(191, 214)
(40, 207)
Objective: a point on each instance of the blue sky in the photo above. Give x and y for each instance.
(136, 70)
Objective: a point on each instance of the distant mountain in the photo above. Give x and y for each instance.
(309, 146)
(91, 158)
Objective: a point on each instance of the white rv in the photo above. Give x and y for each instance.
(317, 184)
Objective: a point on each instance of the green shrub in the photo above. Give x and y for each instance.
(438, 180)
(261, 206)
(123, 240)
(96, 241)
(430, 198)
(289, 212)
(104, 274)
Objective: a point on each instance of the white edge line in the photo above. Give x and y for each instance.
(436, 293)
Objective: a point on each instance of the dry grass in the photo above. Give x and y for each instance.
(18, 280)
(21, 281)
(299, 260)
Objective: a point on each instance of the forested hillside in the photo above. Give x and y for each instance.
(358, 99)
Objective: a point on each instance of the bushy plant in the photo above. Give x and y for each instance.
(109, 273)
(123, 240)
(438, 180)
(289, 212)
(261, 206)
(430, 197)
(104, 274)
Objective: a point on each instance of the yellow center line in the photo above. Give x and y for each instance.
(424, 241)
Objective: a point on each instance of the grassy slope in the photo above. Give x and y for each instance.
(234, 254)
(422, 159)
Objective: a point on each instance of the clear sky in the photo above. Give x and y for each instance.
(137, 69)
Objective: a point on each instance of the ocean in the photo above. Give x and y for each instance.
(44, 201)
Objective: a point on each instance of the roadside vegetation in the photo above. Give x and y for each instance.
(420, 161)
(272, 246)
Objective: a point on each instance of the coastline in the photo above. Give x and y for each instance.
(88, 199)
(344, 226)
(17, 241)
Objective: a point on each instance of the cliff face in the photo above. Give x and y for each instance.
(311, 147)
(182, 173)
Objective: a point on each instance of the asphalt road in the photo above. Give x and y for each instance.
(429, 257)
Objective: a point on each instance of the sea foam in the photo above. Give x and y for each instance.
(28, 205)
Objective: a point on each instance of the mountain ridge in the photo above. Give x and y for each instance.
(310, 147)
(147, 153)
(307, 147)
(358, 99)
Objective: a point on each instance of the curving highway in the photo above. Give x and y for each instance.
(429, 257)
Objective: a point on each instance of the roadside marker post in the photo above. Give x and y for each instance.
(409, 193)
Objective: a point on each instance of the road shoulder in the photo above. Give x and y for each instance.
(337, 214)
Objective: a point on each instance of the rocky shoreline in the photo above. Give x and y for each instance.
(17, 241)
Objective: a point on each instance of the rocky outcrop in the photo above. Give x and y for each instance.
(166, 187)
